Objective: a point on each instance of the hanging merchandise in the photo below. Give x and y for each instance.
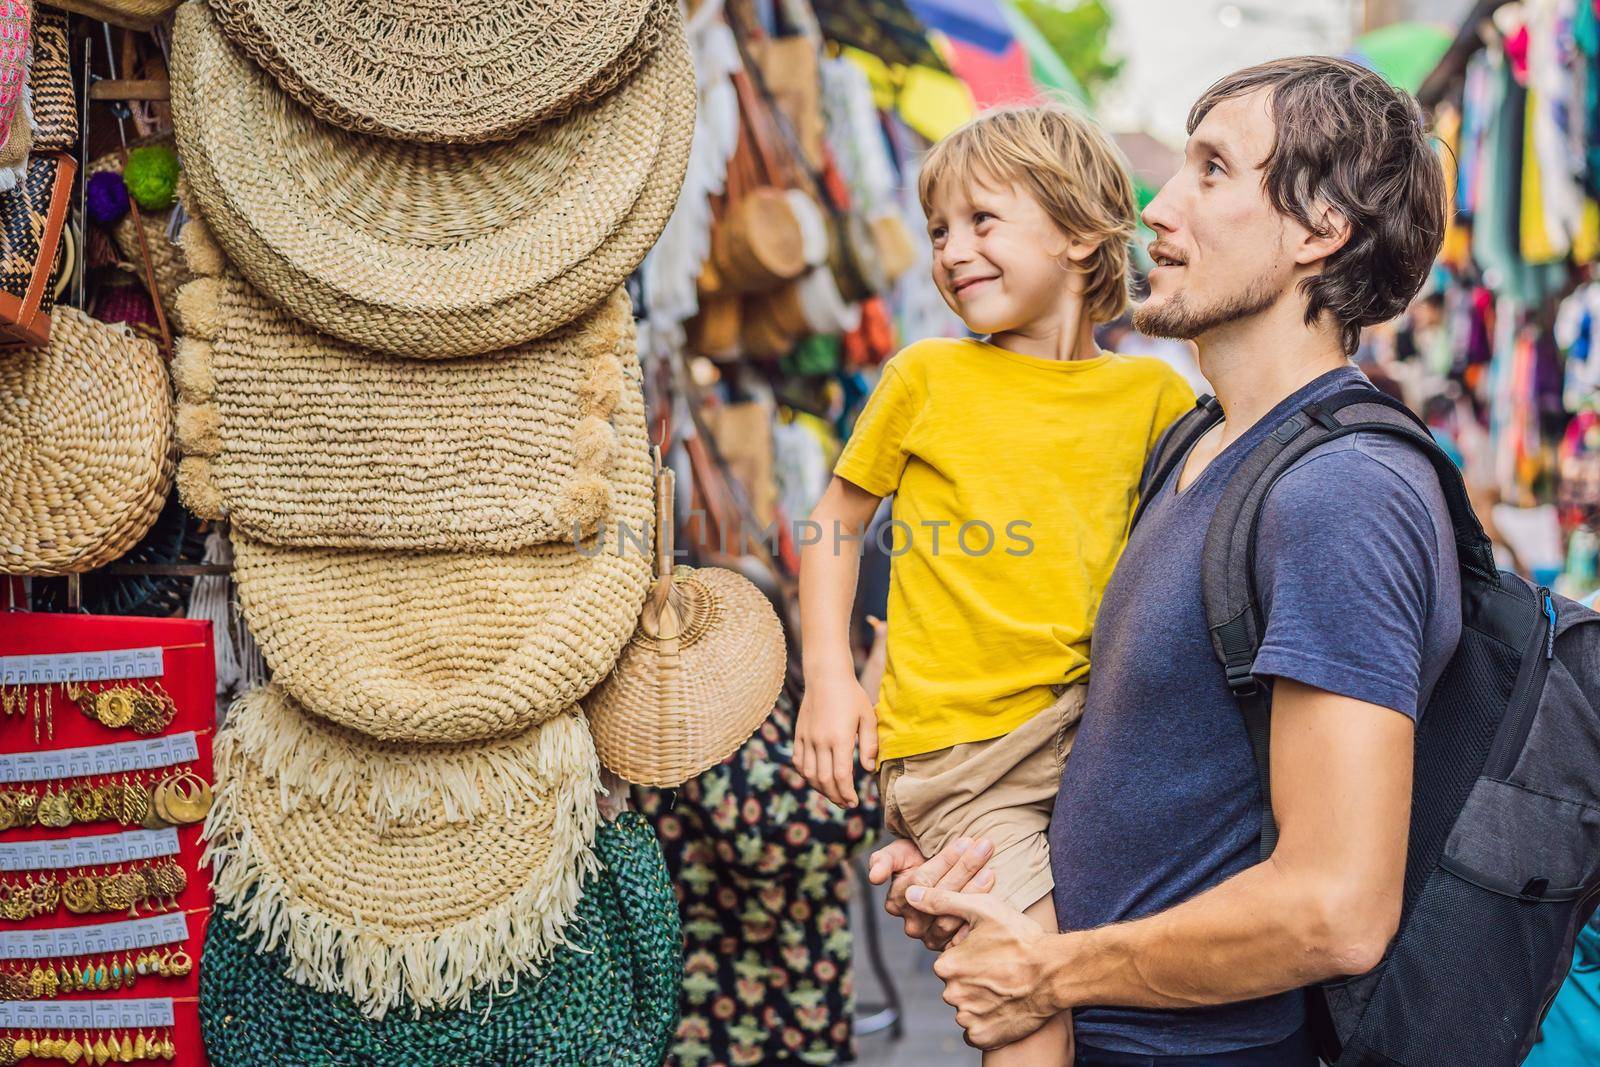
(298, 439)
(398, 873)
(134, 14)
(699, 675)
(33, 211)
(155, 244)
(177, 537)
(86, 451)
(608, 995)
(16, 119)
(429, 251)
(104, 899)
(446, 646)
(458, 74)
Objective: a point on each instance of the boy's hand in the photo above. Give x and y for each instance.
(835, 717)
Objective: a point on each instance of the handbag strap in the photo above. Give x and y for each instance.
(149, 271)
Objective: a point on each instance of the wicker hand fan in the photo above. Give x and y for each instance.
(697, 678)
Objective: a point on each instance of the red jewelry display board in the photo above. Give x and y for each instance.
(187, 675)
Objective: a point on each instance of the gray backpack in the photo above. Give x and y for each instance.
(1503, 866)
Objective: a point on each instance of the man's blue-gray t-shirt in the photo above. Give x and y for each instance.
(1356, 573)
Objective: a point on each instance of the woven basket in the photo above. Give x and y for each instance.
(443, 73)
(428, 250)
(176, 537)
(449, 646)
(759, 243)
(699, 675)
(298, 439)
(86, 452)
(134, 14)
(609, 998)
(51, 96)
(399, 874)
(714, 330)
(896, 251)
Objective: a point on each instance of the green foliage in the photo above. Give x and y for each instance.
(1079, 32)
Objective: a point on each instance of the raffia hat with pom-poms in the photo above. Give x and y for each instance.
(299, 439)
(457, 646)
(459, 72)
(399, 874)
(86, 451)
(429, 251)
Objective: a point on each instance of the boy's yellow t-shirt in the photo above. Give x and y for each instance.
(1015, 478)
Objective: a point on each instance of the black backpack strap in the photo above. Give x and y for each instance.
(1233, 611)
(1173, 444)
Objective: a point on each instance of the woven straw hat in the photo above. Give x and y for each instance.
(461, 72)
(429, 250)
(699, 675)
(85, 446)
(453, 646)
(393, 873)
(299, 439)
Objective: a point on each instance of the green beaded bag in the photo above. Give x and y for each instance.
(609, 997)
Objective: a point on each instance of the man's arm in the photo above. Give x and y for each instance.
(1326, 903)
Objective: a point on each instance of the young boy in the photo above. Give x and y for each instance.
(1015, 462)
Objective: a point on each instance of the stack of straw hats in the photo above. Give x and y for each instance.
(408, 379)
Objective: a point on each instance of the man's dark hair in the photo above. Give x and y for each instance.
(1346, 141)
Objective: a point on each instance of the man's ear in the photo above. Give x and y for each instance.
(1331, 234)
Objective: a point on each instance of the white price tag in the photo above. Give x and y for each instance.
(92, 760)
(59, 667)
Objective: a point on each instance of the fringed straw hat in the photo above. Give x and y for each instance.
(298, 439)
(429, 250)
(462, 72)
(399, 874)
(456, 646)
(86, 450)
(607, 998)
(699, 675)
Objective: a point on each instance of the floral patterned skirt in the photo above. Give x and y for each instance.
(761, 867)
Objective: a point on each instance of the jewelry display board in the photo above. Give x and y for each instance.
(106, 725)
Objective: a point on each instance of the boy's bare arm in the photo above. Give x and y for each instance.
(835, 713)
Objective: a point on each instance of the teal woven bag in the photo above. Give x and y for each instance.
(610, 997)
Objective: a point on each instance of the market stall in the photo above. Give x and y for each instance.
(1499, 351)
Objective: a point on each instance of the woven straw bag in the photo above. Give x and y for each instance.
(86, 452)
(451, 646)
(299, 439)
(429, 250)
(607, 998)
(759, 243)
(463, 72)
(399, 874)
(699, 675)
(134, 14)
(51, 96)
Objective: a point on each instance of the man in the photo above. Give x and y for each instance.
(1310, 204)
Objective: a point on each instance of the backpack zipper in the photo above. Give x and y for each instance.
(1514, 729)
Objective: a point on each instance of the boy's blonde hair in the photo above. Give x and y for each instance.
(1068, 164)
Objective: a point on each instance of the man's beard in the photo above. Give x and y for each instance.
(1175, 318)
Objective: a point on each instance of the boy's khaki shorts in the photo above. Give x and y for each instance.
(1003, 789)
